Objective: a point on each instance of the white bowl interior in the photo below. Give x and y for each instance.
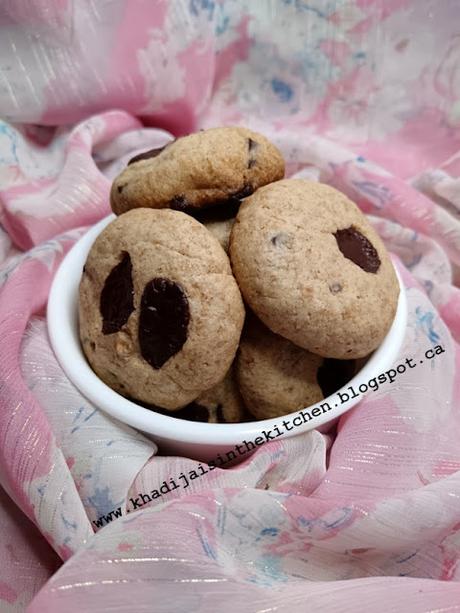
(62, 319)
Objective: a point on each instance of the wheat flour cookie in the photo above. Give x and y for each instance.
(160, 312)
(275, 377)
(209, 168)
(313, 269)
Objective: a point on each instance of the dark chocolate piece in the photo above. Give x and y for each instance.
(117, 302)
(357, 248)
(163, 321)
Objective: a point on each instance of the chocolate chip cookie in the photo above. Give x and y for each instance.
(275, 376)
(312, 268)
(160, 311)
(213, 167)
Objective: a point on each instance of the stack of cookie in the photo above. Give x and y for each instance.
(223, 292)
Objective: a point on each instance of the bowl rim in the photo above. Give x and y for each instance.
(62, 323)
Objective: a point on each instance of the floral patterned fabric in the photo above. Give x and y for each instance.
(361, 94)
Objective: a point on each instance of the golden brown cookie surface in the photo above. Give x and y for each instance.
(211, 167)
(313, 269)
(160, 311)
(275, 376)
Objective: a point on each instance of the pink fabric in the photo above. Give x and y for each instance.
(366, 517)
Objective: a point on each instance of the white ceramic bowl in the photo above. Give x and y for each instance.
(192, 439)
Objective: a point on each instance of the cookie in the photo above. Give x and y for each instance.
(210, 168)
(275, 377)
(313, 269)
(160, 312)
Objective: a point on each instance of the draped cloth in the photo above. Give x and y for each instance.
(361, 94)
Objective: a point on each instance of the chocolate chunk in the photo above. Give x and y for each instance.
(357, 248)
(120, 188)
(152, 153)
(163, 321)
(179, 203)
(116, 302)
(333, 374)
